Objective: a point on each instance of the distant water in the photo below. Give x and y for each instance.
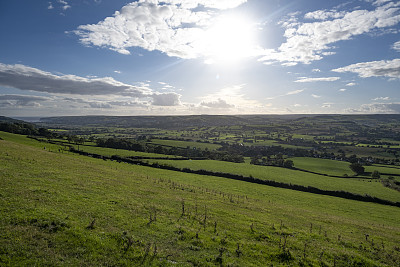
(28, 119)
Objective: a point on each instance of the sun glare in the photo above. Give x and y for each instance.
(230, 38)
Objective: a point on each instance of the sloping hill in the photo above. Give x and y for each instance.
(62, 209)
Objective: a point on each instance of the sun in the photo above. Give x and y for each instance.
(229, 39)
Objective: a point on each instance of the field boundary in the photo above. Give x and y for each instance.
(250, 179)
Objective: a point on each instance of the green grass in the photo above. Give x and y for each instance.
(184, 144)
(357, 186)
(324, 166)
(275, 143)
(378, 146)
(104, 151)
(364, 152)
(382, 169)
(48, 200)
(22, 139)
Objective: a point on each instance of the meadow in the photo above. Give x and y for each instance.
(62, 209)
(360, 186)
(323, 166)
(185, 144)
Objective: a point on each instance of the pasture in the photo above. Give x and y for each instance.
(64, 209)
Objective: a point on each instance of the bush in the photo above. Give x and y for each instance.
(357, 168)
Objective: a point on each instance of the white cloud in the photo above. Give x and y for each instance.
(32, 79)
(322, 79)
(351, 84)
(174, 27)
(220, 104)
(384, 68)
(380, 2)
(386, 98)
(64, 4)
(117, 71)
(327, 105)
(294, 92)
(324, 15)
(50, 6)
(316, 96)
(21, 100)
(307, 42)
(377, 108)
(342, 90)
(166, 99)
(316, 70)
(396, 46)
(232, 96)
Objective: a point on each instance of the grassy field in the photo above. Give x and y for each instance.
(382, 169)
(104, 151)
(184, 144)
(325, 166)
(357, 186)
(60, 209)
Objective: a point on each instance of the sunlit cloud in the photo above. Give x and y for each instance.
(175, 27)
(351, 84)
(219, 103)
(311, 41)
(294, 92)
(384, 68)
(230, 97)
(322, 79)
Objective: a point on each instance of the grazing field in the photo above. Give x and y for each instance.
(104, 151)
(353, 185)
(383, 169)
(64, 209)
(323, 166)
(184, 144)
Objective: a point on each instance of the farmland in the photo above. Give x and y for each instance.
(102, 194)
(64, 209)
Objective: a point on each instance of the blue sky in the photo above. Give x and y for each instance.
(151, 57)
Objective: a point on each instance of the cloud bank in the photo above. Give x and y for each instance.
(27, 78)
(21, 100)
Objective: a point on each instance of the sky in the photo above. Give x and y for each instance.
(187, 57)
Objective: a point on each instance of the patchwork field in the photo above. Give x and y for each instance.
(63, 209)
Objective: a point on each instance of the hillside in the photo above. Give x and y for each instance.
(214, 120)
(59, 209)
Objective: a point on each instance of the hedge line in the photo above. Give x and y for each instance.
(302, 188)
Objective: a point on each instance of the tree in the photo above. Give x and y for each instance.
(375, 174)
(357, 168)
(288, 163)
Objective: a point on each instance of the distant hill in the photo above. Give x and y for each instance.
(147, 121)
(7, 119)
(211, 120)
